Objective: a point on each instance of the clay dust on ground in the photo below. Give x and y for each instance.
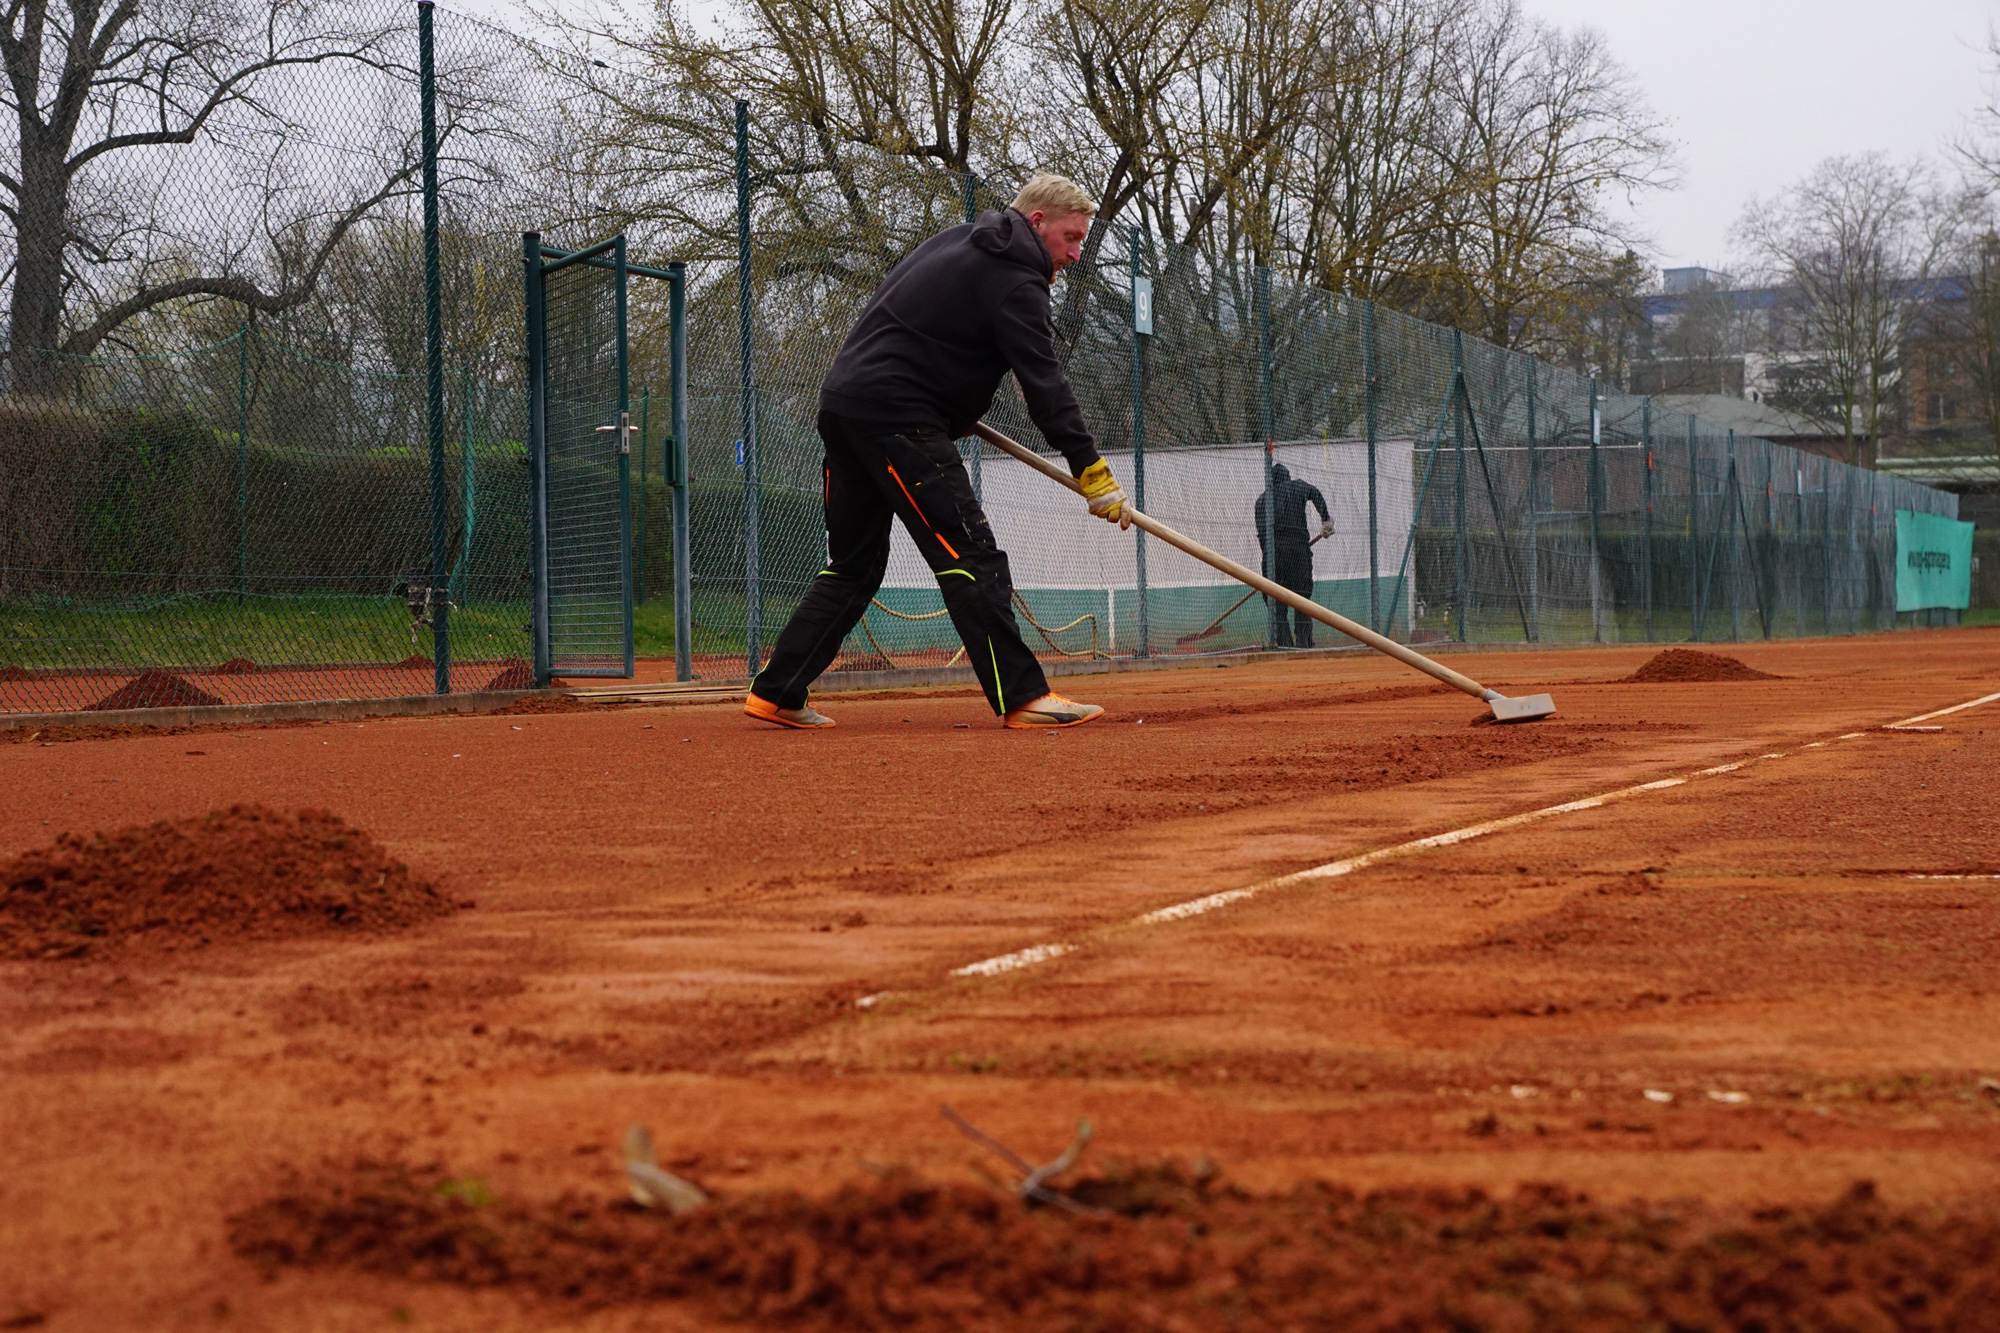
(1166, 1249)
(241, 873)
(1693, 666)
(1751, 989)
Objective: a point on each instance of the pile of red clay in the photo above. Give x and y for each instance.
(237, 666)
(557, 703)
(1692, 666)
(241, 873)
(1160, 1249)
(514, 674)
(155, 689)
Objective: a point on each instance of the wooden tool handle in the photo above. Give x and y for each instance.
(1352, 629)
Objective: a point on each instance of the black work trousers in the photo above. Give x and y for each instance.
(1294, 571)
(874, 476)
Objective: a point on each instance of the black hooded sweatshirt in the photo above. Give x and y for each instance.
(956, 315)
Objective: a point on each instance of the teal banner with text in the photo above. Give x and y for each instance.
(1933, 561)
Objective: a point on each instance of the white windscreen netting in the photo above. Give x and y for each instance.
(1067, 564)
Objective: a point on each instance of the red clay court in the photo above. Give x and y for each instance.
(1417, 1089)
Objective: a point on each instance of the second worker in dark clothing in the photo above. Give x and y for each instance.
(919, 369)
(1294, 566)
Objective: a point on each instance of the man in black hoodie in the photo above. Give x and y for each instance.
(919, 368)
(1294, 566)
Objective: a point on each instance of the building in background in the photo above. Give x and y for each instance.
(1757, 421)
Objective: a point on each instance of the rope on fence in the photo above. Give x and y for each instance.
(1046, 632)
(1019, 603)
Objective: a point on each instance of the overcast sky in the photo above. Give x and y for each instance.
(1756, 92)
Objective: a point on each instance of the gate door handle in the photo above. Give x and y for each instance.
(624, 429)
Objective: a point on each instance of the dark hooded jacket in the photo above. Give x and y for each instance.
(946, 325)
(1292, 496)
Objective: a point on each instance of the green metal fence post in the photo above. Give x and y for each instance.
(1766, 578)
(1646, 541)
(753, 501)
(538, 459)
(677, 468)
(243, 335)
(1142, 323)
(1848, 490)
(1267, 409)
(1372, 385)
(1534, 519)
(645, 493)
(624, 426)
(1826, 551)
(1733, 482)
(1594, 489)
(461, 572)
(1874, 585)
(1694, 535)
(1462, 592)
(1799, 530)
(434, 357)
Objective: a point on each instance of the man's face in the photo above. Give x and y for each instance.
(1063, 234)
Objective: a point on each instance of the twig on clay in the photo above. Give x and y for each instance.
(1034, 1179)
(651, 1187)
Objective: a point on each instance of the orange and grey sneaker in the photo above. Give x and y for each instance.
(805, 719)
(1051, 710)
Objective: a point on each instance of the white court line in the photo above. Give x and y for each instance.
(1042, 953)
(1008, 962)
(1955, 708)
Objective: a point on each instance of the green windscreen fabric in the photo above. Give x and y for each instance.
(1933, 562)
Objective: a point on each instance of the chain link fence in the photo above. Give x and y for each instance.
(234, 500)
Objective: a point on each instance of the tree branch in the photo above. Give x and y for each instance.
(85, 340)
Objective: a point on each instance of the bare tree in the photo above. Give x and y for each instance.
(857, 103)
(1223, 181)
(1853, 248)
(1372, 184)
(1980, 331)
(1600, 326)
(1546, 124)
(1978, 153)
(118, 105)
(1122, 63)
(1450, 156)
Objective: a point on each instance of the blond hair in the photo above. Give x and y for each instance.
(1055, 196)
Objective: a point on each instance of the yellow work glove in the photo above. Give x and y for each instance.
(1106, 497)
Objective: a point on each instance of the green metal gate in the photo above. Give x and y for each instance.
(580, 439)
